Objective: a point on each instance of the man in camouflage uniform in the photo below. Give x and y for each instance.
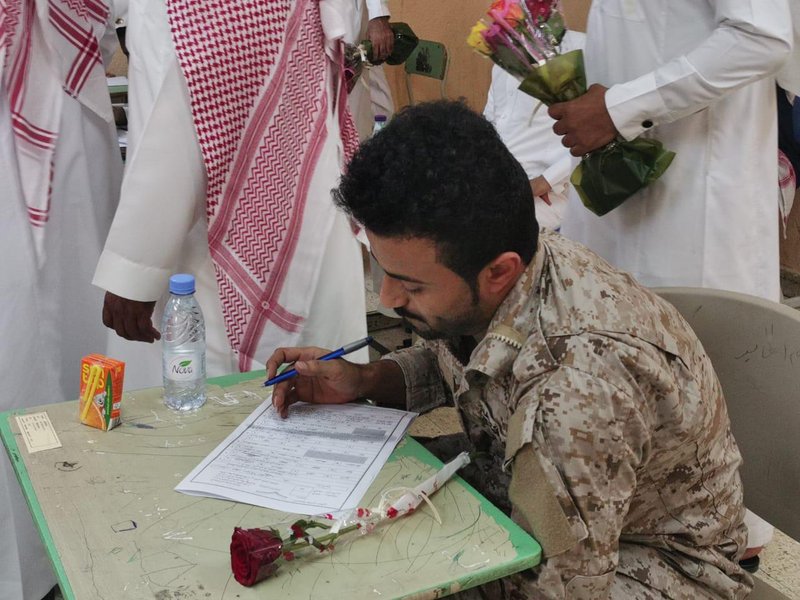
(605, 426)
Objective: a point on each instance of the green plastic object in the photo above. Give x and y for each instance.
(405, 40)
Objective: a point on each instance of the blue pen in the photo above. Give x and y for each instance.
(346, 349)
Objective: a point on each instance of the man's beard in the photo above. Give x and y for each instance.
(445, 329)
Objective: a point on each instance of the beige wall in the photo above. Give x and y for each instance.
(449, 22)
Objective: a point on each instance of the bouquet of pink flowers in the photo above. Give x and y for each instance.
(256, 554)
(523, 39)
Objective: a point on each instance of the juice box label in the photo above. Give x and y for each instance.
(100, 391)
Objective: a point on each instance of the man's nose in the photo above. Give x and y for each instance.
(392, 294)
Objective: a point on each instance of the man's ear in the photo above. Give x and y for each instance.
(500, 275)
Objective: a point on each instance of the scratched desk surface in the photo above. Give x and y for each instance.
(114, 528)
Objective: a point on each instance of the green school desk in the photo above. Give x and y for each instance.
(115, 529)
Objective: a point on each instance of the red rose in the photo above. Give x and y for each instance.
(540, 9)
(253, 554)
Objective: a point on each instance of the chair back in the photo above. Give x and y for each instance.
(754, 346)
(429, 59)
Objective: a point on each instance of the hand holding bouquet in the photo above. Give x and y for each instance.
(523, 38)
(360, 56)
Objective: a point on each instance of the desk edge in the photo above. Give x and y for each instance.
(517, 536)
(31, 499)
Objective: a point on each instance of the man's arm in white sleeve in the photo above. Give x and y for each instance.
(559, 172)
(489, 109)
(377, 8)
(752, 39)
(789, 76)
(163, 195)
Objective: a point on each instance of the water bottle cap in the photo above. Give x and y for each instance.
(380, 118)
(181, 284)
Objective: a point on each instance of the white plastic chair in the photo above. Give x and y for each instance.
(754, 346)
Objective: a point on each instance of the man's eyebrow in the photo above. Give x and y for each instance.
(397, 276)
(404, 278)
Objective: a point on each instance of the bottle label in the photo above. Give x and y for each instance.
(183, 367)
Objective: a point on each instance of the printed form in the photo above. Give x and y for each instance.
(322, 459)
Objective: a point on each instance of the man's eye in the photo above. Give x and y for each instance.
(412, 290)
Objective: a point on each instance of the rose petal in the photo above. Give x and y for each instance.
(253, 554)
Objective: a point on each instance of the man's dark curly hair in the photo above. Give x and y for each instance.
(439, 171)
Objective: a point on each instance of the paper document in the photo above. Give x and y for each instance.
(38, 432)
(322, 459)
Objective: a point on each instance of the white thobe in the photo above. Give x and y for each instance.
(789, 75)
(527, 130)
(160, 227)
(694, 75)
(49, 315)
(371, 95)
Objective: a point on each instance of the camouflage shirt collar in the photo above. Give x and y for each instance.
(515, 320)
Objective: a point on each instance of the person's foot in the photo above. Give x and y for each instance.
(750, 564)
(751, 552)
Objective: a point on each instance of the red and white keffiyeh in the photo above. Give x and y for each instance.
(48, 48)
(787, 184)
(259, 82)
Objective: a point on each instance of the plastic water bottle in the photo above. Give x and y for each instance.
(380, 123)
(183, 339)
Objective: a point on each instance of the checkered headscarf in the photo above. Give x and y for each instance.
(259, 82)
(48, 48)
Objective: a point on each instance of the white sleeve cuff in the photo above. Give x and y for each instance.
(130, 280)
(333, 21)
(558, 172)
(635, 106)
(377, 8)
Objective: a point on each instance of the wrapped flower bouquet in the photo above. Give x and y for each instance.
(523, 38)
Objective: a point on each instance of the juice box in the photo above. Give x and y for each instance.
(101, 391)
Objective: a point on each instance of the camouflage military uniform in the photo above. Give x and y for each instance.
(600, 402)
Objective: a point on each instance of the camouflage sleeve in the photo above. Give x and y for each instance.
(574, 444)
(425, 387)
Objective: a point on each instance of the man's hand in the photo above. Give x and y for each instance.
(381, 36)
(541, 188)
(319, 382)
(131, 319)
(584, 122)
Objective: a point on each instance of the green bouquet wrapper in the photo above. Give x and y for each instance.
(560, 79)
(357, 57)
(405, 40)
(610, 175)
(607, 177)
